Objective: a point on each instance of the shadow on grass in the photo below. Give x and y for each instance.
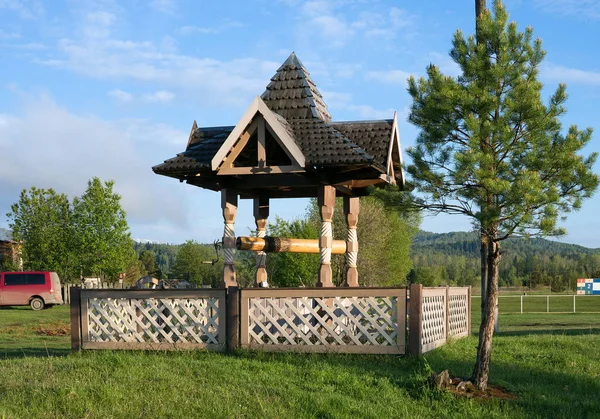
(544, 388)
(14, 353)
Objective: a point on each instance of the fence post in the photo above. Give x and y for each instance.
(547, 304)
(447, 312)
(232, 322)
(521, 304)
(574, 311)
(469, 311)
(415, 318)
(75, 305)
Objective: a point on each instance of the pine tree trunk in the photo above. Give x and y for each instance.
(486, 330)
(483, 251)
(479, 9)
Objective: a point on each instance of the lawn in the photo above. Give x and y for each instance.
(551, 362)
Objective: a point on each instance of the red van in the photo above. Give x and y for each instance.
(36, 289)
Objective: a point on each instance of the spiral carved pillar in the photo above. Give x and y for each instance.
(229, 202)
(326, 203)
(351, 210)
(261, 214)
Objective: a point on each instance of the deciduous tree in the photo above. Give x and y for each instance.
(41, 223)
(101, 231)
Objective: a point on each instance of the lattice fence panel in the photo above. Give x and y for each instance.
(154, 320)
(324, 321)
(458, 322)
(433, 331)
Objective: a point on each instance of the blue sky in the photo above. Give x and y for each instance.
(110, 88)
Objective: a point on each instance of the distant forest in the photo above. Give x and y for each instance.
(453, 258)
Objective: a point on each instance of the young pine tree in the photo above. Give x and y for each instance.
(491, 149)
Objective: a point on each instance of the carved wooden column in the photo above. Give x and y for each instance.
(229, 201)
(326, 202)
(351, 210)
(261, 214)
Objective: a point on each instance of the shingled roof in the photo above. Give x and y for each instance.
(351, 155)
(292, 93)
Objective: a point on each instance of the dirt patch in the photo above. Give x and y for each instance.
(463, 388)
(470, 391)
(53, 330)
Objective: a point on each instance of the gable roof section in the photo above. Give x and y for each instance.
(394, 157)
(278, 125)
(323, 145)
(202, 146)
(292, 93)
(372, 136)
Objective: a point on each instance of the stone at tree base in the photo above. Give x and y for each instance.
(441, 380)
(465, 387)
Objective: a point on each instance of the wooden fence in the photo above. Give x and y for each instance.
(148, 319)
(349, 320)
(437, 314)
(66, 288)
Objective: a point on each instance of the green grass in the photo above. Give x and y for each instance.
(550, 361)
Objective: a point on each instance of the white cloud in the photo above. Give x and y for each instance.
(397, 77)
(9, 35)
(190, 30)
(159, 96)
(98, 53)
(121, 96)
(27, 9)
(337, 23)
(582, 9)
(164, 6)
(369, 112)
(47, 146)
(563, 74)
(31, 46)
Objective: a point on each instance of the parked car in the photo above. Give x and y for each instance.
(36, 289)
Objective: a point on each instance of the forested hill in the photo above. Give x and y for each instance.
(454, 257)
(462, 243)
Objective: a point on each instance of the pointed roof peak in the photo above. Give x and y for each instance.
(291, 61)
(292, 93)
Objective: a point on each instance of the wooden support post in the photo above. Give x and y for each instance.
(351, 210)
(261, 214)
(75, 305)
(415, 319)
(229, 201)
(233, 318)
(326, 202)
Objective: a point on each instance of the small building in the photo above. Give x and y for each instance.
(287, 145)
(9, 249)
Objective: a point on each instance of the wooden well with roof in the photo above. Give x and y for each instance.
(287, 146)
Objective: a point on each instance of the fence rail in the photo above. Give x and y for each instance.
(547, 303)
